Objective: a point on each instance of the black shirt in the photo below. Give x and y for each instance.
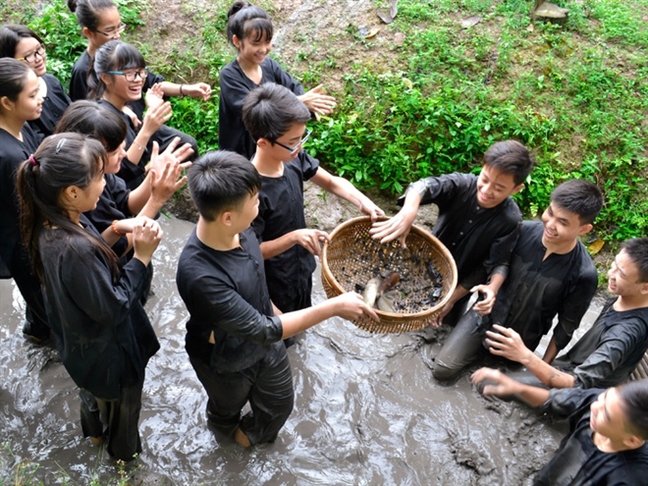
(225, 292)
(54, 104)
(578, 462)
(281, 211)
(12, 153)
(112, 205)
(102, 332)
(479, 239)
(234, 87)
(536, 289)
(612, 348)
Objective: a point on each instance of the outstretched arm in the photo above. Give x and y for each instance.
(496, 383)
(344, 189)
(508, 343)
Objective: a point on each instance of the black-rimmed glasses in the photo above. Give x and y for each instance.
(294, 149)
(113, 33)
(40, 52)
(131, 76)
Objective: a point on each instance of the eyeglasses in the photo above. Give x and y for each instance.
(294, 149)
(40, 52)
(131, 76)
(113, 33)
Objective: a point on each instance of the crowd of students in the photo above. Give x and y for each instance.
(83, 182)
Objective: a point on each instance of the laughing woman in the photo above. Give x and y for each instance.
(20, 101)
(21, 43)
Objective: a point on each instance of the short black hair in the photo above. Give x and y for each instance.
(510, 157)
(580, 197)
(637, 250)
(220, 181)
(270, 110)
(634, 403)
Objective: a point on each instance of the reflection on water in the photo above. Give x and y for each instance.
(367, 410)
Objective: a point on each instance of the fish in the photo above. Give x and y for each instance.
(386, 301)
(392, 279)
(371, 291)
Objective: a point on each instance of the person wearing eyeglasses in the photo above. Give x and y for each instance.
(20, 102)
(276, 120)
(250, 30)
(117, 78)
(100, 23)
(23, 44)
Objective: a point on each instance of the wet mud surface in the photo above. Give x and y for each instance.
(367, 410)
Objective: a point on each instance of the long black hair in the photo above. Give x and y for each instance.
(61, 161)
(10, 37)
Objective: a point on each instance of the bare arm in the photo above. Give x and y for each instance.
(348, 306)
(344, 189)
(551, 351)
(308, 238)
(508, 343)
(497, 383)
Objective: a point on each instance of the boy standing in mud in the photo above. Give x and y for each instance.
(233, 333)
(276, 120)
(478, 220)
(550, 273)
(608, 353)
(606, 443)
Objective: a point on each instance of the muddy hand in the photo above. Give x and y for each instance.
(485, 305)
(493, 382)
(507, 343)
(146, 238)
(438, 318)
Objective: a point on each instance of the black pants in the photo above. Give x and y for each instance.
(116, 420)
(30, 289)
(462, 347)
(267, 385)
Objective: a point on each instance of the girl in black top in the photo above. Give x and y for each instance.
(250, 31)
(118, 78)
(100, 23)
(21, 43)
(20, 101)
(102, 332)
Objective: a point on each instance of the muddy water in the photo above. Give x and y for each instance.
(367, 411)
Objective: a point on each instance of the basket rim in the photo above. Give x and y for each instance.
(414, 229)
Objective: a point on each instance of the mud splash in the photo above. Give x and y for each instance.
(367, 411)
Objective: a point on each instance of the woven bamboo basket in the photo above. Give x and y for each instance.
(641, 371)
(352, 258)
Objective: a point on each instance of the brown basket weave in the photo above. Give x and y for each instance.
(641, 371)
(352, 258)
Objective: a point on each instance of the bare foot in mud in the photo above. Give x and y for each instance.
(241, 438)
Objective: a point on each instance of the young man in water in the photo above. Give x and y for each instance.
(478, 220)
(607, 354)
(276, 120)
(550, 273)
(234, 333)
(608, 430)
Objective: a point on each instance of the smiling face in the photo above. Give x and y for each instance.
(29, 104)
(561, 227)
(607, 416)
(623, 276)
(109, 27)
(32, 53)
(252, 50)
(114, 158)
(291, 138)
(88, 197)
(118, 86)
(494, 186)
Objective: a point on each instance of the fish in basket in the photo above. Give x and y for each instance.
(407, 286)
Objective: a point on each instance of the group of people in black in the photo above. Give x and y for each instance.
(85, 174)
